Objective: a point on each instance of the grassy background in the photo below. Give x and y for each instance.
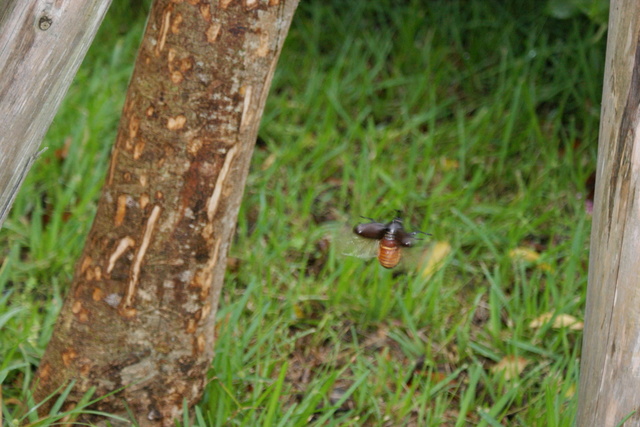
(478, 119)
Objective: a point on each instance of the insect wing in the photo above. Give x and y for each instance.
(351, 244)
(347, 243)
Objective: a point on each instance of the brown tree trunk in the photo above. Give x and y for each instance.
(42, 44)
(610, 366)
(141, 309)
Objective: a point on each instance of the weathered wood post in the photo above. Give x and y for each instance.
(610, 367)
(42, 44)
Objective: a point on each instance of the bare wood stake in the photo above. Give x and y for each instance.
(42, 44)
(610, 368)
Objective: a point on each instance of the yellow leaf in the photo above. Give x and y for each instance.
(567, 321)
(449, 164)
(529, 255)
(298, 311)
(268, 161)
(545, 266)
(541, 320)
(524, 254)
(571, 391)
(510, 366)
(434, 257)
(560, 321)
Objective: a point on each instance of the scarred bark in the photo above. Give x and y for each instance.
(141, 309)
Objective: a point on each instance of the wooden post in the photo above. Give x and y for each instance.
(42, 44)
(610, 370)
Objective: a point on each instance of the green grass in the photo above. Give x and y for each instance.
(478, 119)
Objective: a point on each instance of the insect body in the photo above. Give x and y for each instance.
(392, 238)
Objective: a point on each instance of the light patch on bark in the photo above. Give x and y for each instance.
(200, 343)
(112, 166)
(85, 366)
(113, 300)
(137, 262)
(69, 356)
(164, 29)
(205, 11)
(86, 263)
(214, 200)
(191, 326)
(127, 312)
(206, 311)
(124, 244)
(176, 77)
(175, 26)
(138, 149)
(177, 122)
(204, 277)
(97, 294)
(185, 64)
(144, 199)
(194, 145)
(225, 3)
(82, 314)
(247, 115)
(121, 210)
(77, 306)
(213, 31)
(45, 371)
(250, 4)
(208, 279)
(263, 48)
(134, 126)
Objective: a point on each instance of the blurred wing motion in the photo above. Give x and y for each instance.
(350, 244)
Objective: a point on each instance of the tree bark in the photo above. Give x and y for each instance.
(610, 366)
(42, 44)
(141, 309)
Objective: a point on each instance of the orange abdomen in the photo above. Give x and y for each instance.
(388, 253)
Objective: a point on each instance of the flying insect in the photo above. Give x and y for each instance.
(392, 240)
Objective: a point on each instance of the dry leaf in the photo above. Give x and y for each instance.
(271, 158)
(449, 164)
(309, 309)
(567, 321)
(434, 257)
(524, 254)
(529, 255)
(560, 321)
(510, 366)
(571, 391)
(545, 266)
(298, 311)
